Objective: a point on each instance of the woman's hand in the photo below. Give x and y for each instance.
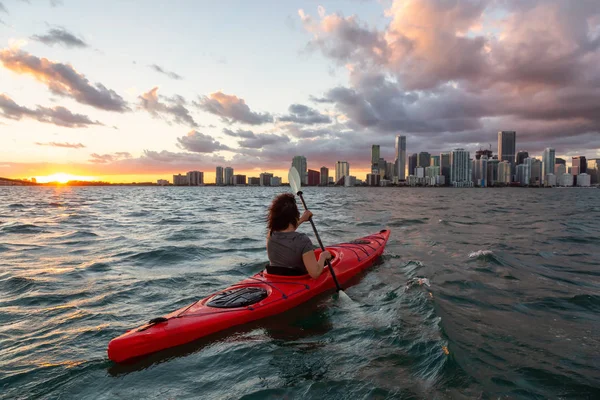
(306, 215)
(325, 255)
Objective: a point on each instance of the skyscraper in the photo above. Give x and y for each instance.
(534, 169)
(593, 169)
(412, 163)
(342, 169)
(521, 156)
(299, 162)
(195, 178)
(548, 162)
(314, 177)
(460, 171)
(381, 167)
(401, 157)
(435, 161)
(228, 181)
(580, 163)
(219, 177)
(424, 159)
(507, 143)
(324, 176)
(445, 166)
(560, 161)
(375, 151)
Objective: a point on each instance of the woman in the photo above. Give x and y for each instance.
(290, 253)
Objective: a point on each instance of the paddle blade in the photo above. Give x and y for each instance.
(294, 179)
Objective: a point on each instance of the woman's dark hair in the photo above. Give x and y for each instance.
(282, 212)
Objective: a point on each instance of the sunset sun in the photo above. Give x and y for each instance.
(61, 177)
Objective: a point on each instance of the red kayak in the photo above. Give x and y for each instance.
(259, 296)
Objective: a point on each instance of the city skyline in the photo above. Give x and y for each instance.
(136, 103)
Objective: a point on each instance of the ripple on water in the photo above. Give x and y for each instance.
(17, 285)
(27, 229)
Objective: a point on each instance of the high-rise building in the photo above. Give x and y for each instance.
(560, 170)
(253, 181)
(423, 159)
(580, 163)
(521, 156)
(534, 167)
(507, 144)
(324, 176)
(265, 179)
(180, 180)
(492, 172)
(481, 152)
(195, 178)
(548, 162)
(412, 163)
(373, 179)
(560, 161)
(480, 171)
(504, 173)
(342, 168)
(432, 171)
(228, 176)
(375, 155)
(381, 167)
(219, 176)
(275, 181)
(445, 166)
(593, 169)
(349, 180)
(314, 177)
(299, 162)
(389, 171)
(401, 157)
(460, 171)
(522, 174)
(435, 161)
(239, 180)
(566, 180)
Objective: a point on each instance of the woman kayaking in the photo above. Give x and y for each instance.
(290, 253)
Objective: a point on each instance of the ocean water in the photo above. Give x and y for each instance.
(508, 307)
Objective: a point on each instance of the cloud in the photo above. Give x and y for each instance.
(60, 36)
(63, 80)
(239, 133)
(302, 114)
(261, 140)
(64, 145)
(3, 9)
(59, 115)
(108, 158)
(450, 73)
(231, 109)
(200, 143)
(56, 3)
(174, 107)
(170, 74)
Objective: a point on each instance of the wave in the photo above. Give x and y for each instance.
(22, 229)
(585, 302)
(17, 285)
(17, 205)
(485, 256)
(171, 254)
(407, 222)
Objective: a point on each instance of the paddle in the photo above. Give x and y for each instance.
(295, 184)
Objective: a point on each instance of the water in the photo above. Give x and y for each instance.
(511, 309)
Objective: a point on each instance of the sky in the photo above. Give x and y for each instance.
(137, 90)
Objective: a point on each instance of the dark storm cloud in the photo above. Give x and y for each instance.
(198, 142)
(232, 109)
(63, 80)
(161, 107)
(60, 36)
(59, 115)
(170, 74)
(302, 114)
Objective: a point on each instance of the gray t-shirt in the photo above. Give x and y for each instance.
(285, 250)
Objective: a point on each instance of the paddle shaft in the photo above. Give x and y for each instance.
(337, 285)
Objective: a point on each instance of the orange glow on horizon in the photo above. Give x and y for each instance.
(61, 177)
